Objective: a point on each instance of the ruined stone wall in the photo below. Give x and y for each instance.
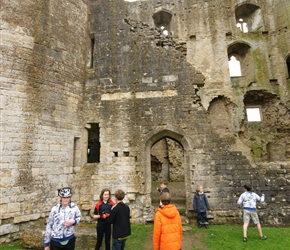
(144, 81)
(141, 86)
(44, 55)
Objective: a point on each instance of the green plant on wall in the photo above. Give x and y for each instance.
(257, 150)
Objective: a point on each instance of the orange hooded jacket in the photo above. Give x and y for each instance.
(167, 233)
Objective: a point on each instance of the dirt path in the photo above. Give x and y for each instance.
(190, 241)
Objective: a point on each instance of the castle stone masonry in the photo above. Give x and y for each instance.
(119, 94)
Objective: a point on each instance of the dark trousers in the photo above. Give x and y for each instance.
(101, 230)
(57, 246)
(202, 218)
(118, 244)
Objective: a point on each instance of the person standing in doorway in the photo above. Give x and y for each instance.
(60, 228)
(249, 199)
(120, 218)
(201, 205)
(163, 187)
(102, 211)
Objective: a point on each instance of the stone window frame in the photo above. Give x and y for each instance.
(163, 20)
(251, 14)
(242, 51)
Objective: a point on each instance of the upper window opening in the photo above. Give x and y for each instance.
(241, 61)
(249, 17)
(253, 114)
(92, 52)
(162, 20)
(234, 66)
(242, 25)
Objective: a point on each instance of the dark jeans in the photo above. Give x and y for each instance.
(101, 230)
(57, 246)
(118, 244)
(202, 218)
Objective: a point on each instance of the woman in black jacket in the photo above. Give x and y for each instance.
(102, 211)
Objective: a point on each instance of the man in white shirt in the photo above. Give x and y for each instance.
(249, 199)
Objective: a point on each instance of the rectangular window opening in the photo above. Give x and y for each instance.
(92, 52)
(94, 145)
(126, 153)
(254, 114)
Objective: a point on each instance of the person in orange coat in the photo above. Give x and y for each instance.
(167, 231)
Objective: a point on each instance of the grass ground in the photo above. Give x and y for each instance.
(230, 237)
(217, 237)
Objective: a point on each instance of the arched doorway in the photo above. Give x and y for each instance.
(170, 140)
(167, 164)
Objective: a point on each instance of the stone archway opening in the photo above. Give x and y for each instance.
(167, 164)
